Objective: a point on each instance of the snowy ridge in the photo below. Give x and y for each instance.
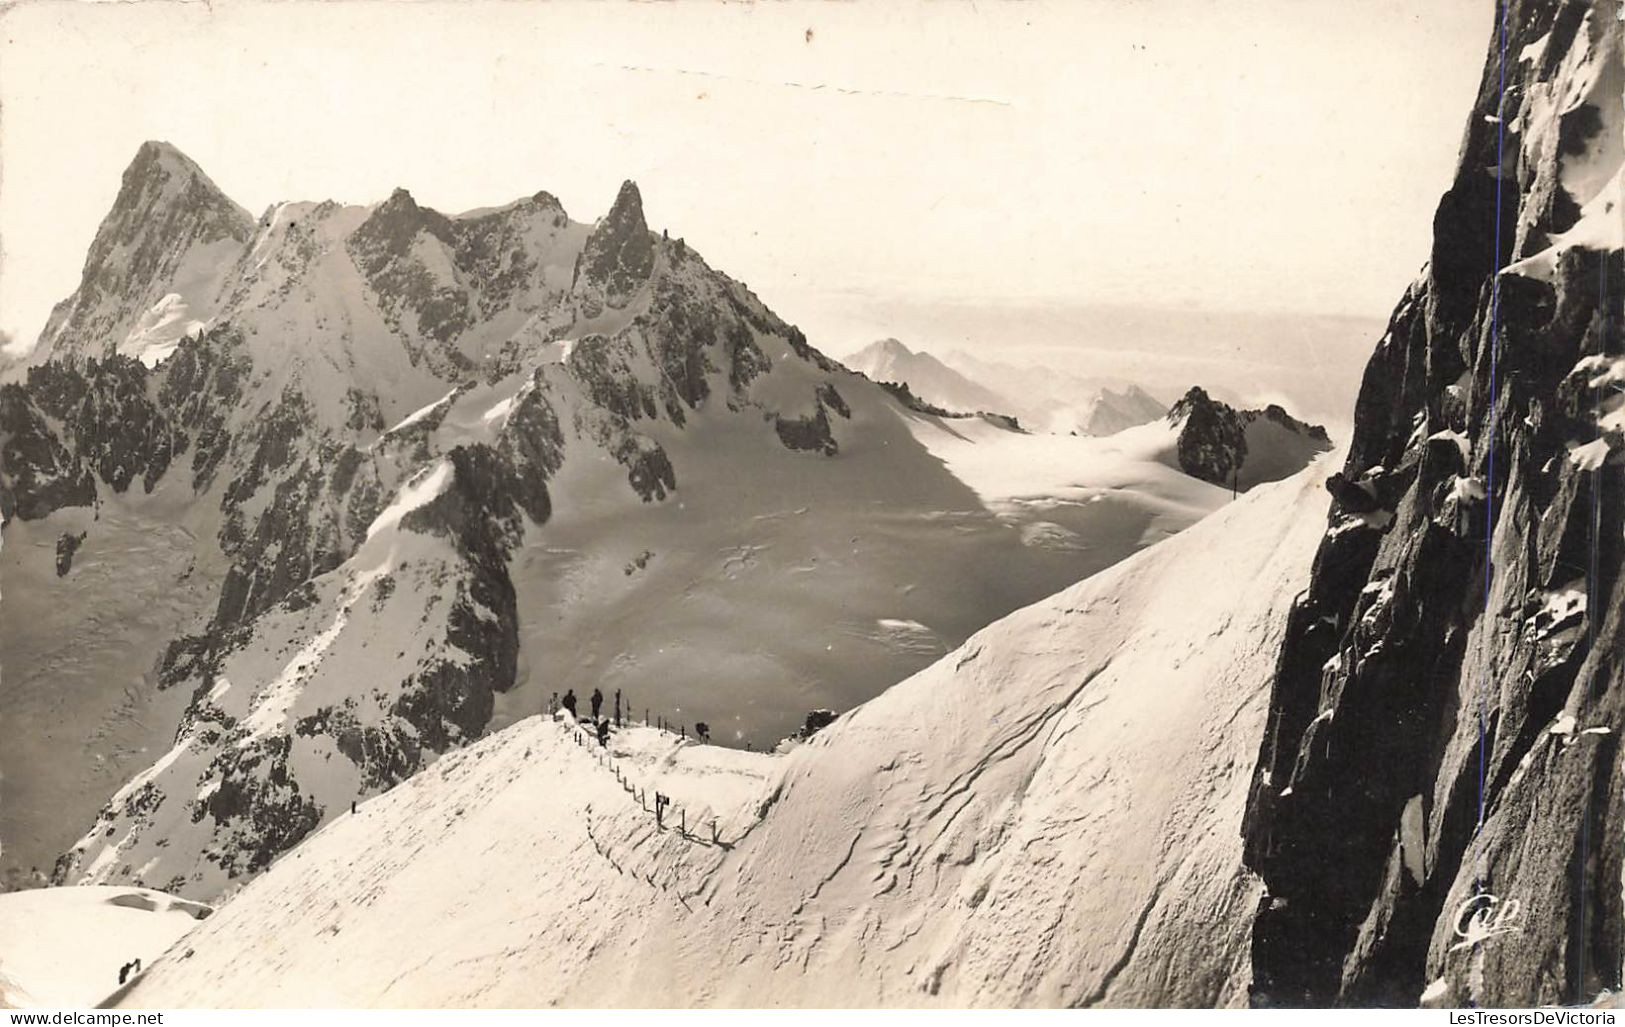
(976, 835)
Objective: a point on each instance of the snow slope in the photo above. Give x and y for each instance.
(1070, 492)
(752, 599)
(82, 711)
(63, 947)
(1049, 815)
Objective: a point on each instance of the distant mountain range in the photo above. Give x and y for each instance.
(1041, 399)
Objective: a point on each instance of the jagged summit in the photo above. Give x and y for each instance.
(1195, 398)
(176, 256)
(165, 152)
(628, 203)
(157, 262)
(160, 174)
(1241, 448)
(619, 254)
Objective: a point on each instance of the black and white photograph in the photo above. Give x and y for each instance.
(713, 505)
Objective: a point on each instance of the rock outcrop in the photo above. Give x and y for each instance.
(1241, 448)
(619, 254)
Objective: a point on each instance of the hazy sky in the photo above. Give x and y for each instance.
(851, 162)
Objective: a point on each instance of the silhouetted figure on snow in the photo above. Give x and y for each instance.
(702, 731)
(597, 702)
(570, 702)
(603, 733)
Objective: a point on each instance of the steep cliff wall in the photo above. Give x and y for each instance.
(1444, 729)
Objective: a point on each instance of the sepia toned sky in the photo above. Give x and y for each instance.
(851, 162)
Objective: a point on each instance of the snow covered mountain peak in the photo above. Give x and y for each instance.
(889, 347)
(156, 266)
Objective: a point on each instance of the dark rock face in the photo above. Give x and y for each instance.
(816, 721)
(619, 254)
(1443, 732)
(450, 703)
(258, 804)
(1212, 442)
(812, 432)
(1212, 439)
(604, 366)
(807, 433)
(383, 249)
(66, 546)
(38, 474)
